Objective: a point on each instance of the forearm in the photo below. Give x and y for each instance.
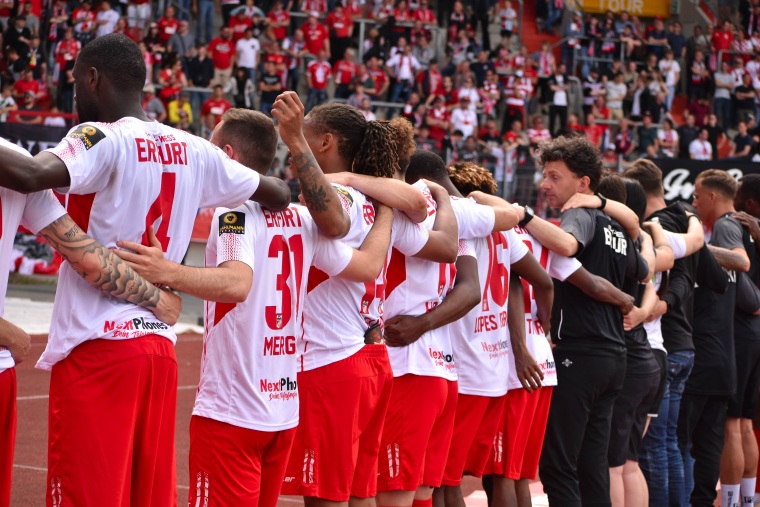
(649, 255)
(516, 315)
(506, 215)
(553, 237)
(729, 259)
(217, 284)
(319, 195)
(442, 245)
(393, 193)
(597, 288)
(625, 216)
(99, 266)
(367, 262)
(8, 331)
(462, 298)
(650, 299)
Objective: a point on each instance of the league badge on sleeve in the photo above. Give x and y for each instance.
(232, 222)
(89, 135)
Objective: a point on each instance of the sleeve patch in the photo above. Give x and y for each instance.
(89, 135)
(232, 222)
(345, 198)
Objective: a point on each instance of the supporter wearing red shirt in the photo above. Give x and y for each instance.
(722, 39)
(341, 27)
(279, 59)
(279, 20)
(437, 119)
(66, 50)
(430, 81)
(425, 14)
(27, 83)
(318, 73)
(379, 77)
(345, 71)
(593, 132)
(83, 19)
(354, 8)
(318, 6)
(315, 35)
(214, 107)
(239, 24)
(223, 52)
(168, 25)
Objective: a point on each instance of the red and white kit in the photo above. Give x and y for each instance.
(518, 444)
(249, 368)
(35, 212)
(344, 384)
(125, 176)
(481, 347)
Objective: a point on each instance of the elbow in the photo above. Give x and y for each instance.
(336, 229)
(744, 266)
(567, 249)
(280, 197)
(450, 253)
(473, 297)
(238, 292)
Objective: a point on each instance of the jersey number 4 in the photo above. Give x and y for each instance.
(162, 207)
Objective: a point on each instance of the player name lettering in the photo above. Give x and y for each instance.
(490, 322)
(288, 217)
(284, 384)
(173, 153)
(279, 345)
(615, 240)
(533, 326)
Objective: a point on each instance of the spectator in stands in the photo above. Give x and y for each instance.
(745, 98)
(29, 105)
(700, 108)
(480, 67)
(26, 84)
(438, 120)
(345, 71)
(18, 36)
(228, 8)
(699, 148)
(7, 102)
(241, 88)
(629, 41)
(365, 108)
(200, 74)
(425, 14)
(573, 33)
(559, 86)
(316, 36)
(722, 39)
(205, 22)
(270, 86)
(180, 113)
(668, 139)
(555, 14)
(402, 69)
(700, 77)
(182, 43)
(318, 75)
(658, 38)
(722, 99)
(546, 67)
(214, 107)
(379, 77)
(671, 71)
(677, 41)
(155, 48)
(716, 135)
(152, 105)
(168, 25)
(624, 140)
(592, 87)
(593, 132)
(464, 118)
(222, 52)
(537, 134)
(239, 23)
(687, 133)
(279, 20)
(295, 49)
(139, 14)
(106, 19)
(248, 52)
(616, 92)
(647, 134)
(741, 145)
(423, 52)
(341, 27)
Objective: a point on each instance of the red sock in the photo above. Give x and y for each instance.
(423, 503)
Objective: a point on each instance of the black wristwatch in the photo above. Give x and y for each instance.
(528, 216)
(604, 201)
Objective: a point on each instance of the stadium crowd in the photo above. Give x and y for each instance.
(394, 336)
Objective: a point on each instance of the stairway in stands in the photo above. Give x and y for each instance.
(532, 38)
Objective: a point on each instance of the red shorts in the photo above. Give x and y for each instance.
(7, 432)
(417, 435)
(113, 405)
(342, 411)
(238, 465)
(518, 444)
(477, 422)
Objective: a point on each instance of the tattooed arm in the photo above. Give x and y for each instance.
(105, 271)
(318, 194)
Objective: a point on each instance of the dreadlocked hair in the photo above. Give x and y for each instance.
(344, 122)
(378, 152)
(469, 177)
(405, 145)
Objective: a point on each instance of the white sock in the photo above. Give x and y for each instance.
(748, 491)
(729, 495)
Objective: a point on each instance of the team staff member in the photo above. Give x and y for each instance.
(740, 452)
(123, 173)
(243, 425)
(482, 383)
(712, 381)
(660, 459)
(40, 212)
(588, 334)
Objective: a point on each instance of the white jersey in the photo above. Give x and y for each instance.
(35, 212)
(654, 328)
(414, 287)
(126, 176)
(249, 364)
(559, 267)
(338, 312)
(483, 350)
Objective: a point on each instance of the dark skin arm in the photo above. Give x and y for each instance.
(602, 290)
(318, 194)
(403, 330)
(527, 368)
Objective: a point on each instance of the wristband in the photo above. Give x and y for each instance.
(604, 201)
(528, 216)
